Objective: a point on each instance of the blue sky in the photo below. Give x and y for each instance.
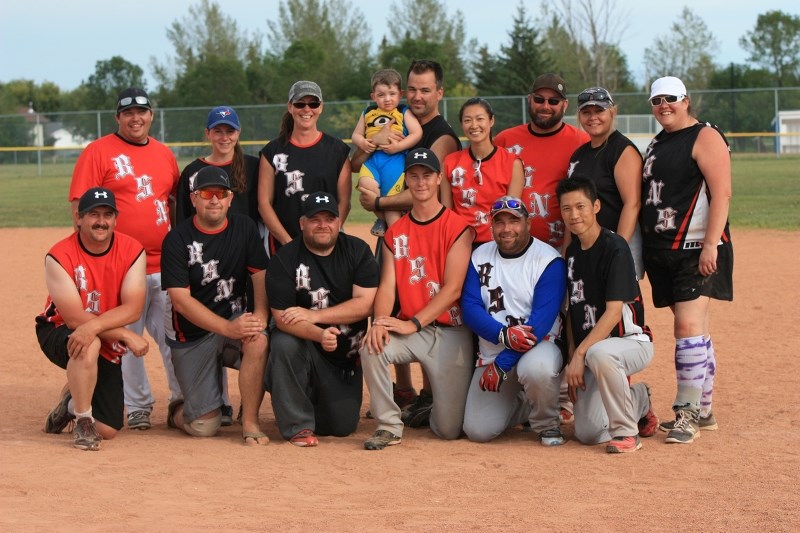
(50, 40)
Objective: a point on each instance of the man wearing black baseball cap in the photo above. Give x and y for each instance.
(143, 175)
(206, 262)
(82, 328)
(425, 258)
(321, 287)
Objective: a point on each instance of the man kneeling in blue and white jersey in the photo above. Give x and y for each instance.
(511, 298)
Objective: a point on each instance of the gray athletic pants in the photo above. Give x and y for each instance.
(138, 395)
(529, 393)
(610, 406)
(446, 355)
(309, 392)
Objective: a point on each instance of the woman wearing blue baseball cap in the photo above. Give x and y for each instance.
(222, 131)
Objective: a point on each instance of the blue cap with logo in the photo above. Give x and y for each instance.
(223, 115)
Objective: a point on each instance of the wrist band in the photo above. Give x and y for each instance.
(378, 203)
(414, 321)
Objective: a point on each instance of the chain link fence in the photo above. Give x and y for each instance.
(762, 121)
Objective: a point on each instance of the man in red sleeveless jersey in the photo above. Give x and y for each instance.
(425, 258)
(96, 284)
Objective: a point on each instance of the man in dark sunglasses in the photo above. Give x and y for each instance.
(206, 262)
(143, 174)
(545, 145)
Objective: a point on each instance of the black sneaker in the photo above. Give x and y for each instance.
(685, 429)
(418, 414)
(139, 420)
(380, 440)
(85, 435)
(59, 417)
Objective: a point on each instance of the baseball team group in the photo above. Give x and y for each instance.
(508, 270)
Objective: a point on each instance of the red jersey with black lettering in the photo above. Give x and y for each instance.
(545, 157)
(142, 176)
(420, 252)
(98, 278)
(476, 184)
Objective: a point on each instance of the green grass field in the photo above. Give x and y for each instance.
(766, 194)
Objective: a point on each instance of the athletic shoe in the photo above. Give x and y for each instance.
(565, 416)
(378, 228)
(59, 417)
(624, 444)
(402, 397)
(648, 424)
(139, 420)
(227, 415)
(304, 439)
(85, 435)
(418, 414)
(705, 423)
(685, 428)
(380, 440)
(551, 437)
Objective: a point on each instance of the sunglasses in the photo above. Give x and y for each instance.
(208, 194)
(301, 105)
(597, 96)
(128, 100)
(507, 204)
(670, 99)
(476, 166)
(540, 100)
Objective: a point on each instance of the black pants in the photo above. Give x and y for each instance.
(308, 392)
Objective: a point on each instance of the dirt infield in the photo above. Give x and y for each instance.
(742, 477)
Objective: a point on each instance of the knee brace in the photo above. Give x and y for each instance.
(206, 427)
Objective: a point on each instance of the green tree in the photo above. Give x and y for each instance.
(205, 33)
(516, 65)
(327, 41)
(774, 44)
(687, 52)
(110, 76)
(426, 29)
(589, 32)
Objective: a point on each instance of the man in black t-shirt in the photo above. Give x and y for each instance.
(205, 263)
(608, 339)
(321, 288)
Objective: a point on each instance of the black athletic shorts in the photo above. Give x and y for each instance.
(674, 277)
(108, 399)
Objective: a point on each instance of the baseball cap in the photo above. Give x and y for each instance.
(668, 86)
(423, 157)
(304, 88)
(132, 97)
(510, 204)
(97, 197)
(223, 115)
(550, 81)
(211, 176)
(595, 96)
(319, 201)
